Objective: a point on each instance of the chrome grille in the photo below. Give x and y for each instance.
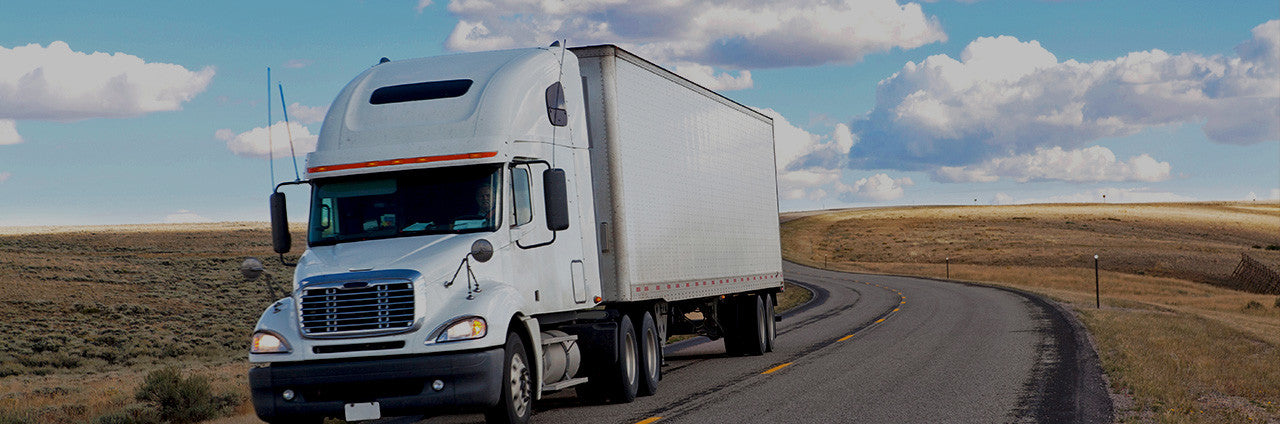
(357, 309)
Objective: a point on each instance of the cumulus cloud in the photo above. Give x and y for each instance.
(1001, 199)
(57, 83)
(1114, 195)
(422, 4)
(9, 132)
(1091, 164)
(878, 187)
(4, 176)
(807, 161)
(1004, 97)
(185, 217)
(707, 76)
(255, 143)
(307, 114)
(734, 35)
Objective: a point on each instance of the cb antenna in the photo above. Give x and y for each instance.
(271, 158)
(285, 109)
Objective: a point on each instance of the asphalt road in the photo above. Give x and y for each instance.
(876, 349)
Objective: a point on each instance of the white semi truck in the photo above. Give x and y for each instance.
(489, 227)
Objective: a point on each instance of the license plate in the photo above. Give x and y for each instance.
(363, 411)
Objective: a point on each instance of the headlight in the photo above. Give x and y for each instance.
(464, 329)
(267, 342)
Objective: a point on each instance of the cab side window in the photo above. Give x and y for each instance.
(520, 194)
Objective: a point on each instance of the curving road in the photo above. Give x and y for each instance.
(873, 348)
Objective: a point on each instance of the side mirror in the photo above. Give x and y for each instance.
(280, 239)
(556, 196)
(482, 250)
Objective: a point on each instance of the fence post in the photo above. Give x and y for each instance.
(1097, 287)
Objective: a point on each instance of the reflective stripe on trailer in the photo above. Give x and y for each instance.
(775, 277)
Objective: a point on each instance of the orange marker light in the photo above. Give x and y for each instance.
(423, 159)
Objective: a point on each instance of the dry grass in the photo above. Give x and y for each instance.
(1182, 347)
(89, 312)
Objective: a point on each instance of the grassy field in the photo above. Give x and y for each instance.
(89, 312)
(1177, 346)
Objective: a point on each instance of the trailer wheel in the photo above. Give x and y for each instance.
(752, 331)
(650, 356)
(730, 328)
(770, 321)
(516, 403)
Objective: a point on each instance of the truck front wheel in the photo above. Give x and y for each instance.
(516, 403)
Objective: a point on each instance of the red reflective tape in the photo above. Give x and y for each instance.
(404, 161)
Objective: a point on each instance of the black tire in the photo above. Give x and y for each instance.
(770, 321)
(650, 357)
(516, 403)
(751, 325)
(730, 327)
(625, 381)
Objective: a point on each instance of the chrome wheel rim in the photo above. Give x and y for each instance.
(651, 353)
(629, 357)
(520, 396)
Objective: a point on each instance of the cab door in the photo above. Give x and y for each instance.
(535, 266)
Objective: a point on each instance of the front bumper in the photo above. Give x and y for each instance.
(401, 385)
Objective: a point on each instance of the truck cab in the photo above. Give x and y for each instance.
(419, 161)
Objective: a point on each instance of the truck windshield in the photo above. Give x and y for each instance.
(408, 203)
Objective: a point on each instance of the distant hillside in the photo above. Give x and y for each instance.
(1201, 242)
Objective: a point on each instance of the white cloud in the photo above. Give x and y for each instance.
(878, 187)
(707, 76)
(1005, 97)
(735, 35)
(4, 176)
(255, 142)
(1114, 195)
(57, 83)
(307, 114)
(298, 63)
(1002, 199)
(422, 4)
(1091, 164)
(9, 132)
(807, 161)
(184, 217)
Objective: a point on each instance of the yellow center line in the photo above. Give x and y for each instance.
(649, 420)
(769, 371)
(880, 320)
(844, 338)
(896, 309)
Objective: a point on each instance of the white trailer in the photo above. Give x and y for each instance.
(488, 227)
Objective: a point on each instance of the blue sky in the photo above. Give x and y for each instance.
(876, 102)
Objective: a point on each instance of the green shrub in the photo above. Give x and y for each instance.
(1278, 302)
(1253, 304)
(182, 400)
